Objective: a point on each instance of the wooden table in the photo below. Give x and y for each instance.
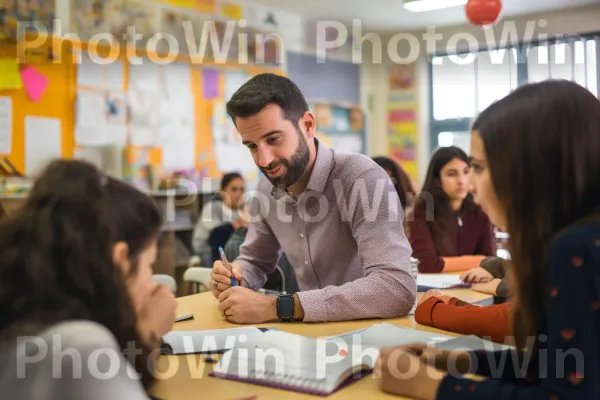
(186, 377)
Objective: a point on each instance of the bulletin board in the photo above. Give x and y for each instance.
(210, 86)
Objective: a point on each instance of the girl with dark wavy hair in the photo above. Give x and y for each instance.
(80, 312)
(447, 230)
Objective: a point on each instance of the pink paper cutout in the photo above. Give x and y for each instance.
(35, 83)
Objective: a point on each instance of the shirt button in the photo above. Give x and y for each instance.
(302, 235)
(306, 262)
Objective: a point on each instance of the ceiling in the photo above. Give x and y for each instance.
(390, 14)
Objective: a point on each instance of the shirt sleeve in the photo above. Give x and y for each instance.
(422, 244)
(573, 366)
(387, 289)
(260, 251)
(491, 322)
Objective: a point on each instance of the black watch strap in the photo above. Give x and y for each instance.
(285, 307)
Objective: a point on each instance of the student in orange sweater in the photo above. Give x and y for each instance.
(448, 232)
(451, 314)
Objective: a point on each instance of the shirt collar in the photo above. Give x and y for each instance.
(319, 175)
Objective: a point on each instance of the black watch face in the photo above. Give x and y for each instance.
(285, 307)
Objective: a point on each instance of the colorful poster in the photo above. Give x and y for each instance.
(115, 17)
(402, 114)
(340, 127)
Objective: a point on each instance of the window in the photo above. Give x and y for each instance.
(454, 88)
(465, 84)
(496, 75)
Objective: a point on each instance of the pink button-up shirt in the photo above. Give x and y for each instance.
(343, 235)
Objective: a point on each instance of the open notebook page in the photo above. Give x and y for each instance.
(293, 362)
(439, 281)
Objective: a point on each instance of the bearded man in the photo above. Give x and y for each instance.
(335, 215)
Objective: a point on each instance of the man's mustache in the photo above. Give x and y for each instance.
(274, 165)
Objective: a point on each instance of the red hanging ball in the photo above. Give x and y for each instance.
(483, 12)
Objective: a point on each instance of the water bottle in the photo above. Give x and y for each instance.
(414, 269)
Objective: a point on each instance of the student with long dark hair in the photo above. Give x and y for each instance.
(536, 163)
(400, 179)
(447, 230)
(76, 275)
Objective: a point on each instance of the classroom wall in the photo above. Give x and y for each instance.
(374, 82)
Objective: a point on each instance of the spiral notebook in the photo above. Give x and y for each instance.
(286, 361)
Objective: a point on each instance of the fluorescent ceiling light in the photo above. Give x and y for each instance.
(430, 5)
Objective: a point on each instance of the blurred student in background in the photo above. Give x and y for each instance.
(536, 161)
(77, 275)
(220, 218)
(447, 230)
(400, 179)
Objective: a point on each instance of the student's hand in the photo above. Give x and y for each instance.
(403, 373)
(454, 361)
(241, 305)
(434, 293)
(221, 275)
(490, 287)
(476, 275)
(157, 315)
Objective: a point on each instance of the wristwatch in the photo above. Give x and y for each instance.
(285, 307)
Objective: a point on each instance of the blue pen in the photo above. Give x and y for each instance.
(226, 262)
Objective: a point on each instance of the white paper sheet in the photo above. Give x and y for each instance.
(144, 106)
(352, 143)
(178, 147)
(144, 76)
(178, 109)
(143, 135)
(90, 73)
(90, 128)
(177, 79)
(233, 81)
(439, 281)
(42, 143)
(5, 125)
(234, 157)
(115, 74)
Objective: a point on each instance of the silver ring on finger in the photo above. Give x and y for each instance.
(216, 284)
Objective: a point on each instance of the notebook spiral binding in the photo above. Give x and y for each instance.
(288, 380)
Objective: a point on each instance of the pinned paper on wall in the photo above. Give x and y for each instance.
(233, 81)
(143, 135)
(89, 73)
(5, 125)
(91, 108)
(9, 74)
(210, 83)
(35, 83)
(42, 143)
(144, 106)
(116, 105)
(179, 148)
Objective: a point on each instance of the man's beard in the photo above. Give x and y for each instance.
(295, 166)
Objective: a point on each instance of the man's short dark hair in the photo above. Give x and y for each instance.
(264, 89)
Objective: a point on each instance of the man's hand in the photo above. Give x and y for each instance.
(241, 305)
(220, 278)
